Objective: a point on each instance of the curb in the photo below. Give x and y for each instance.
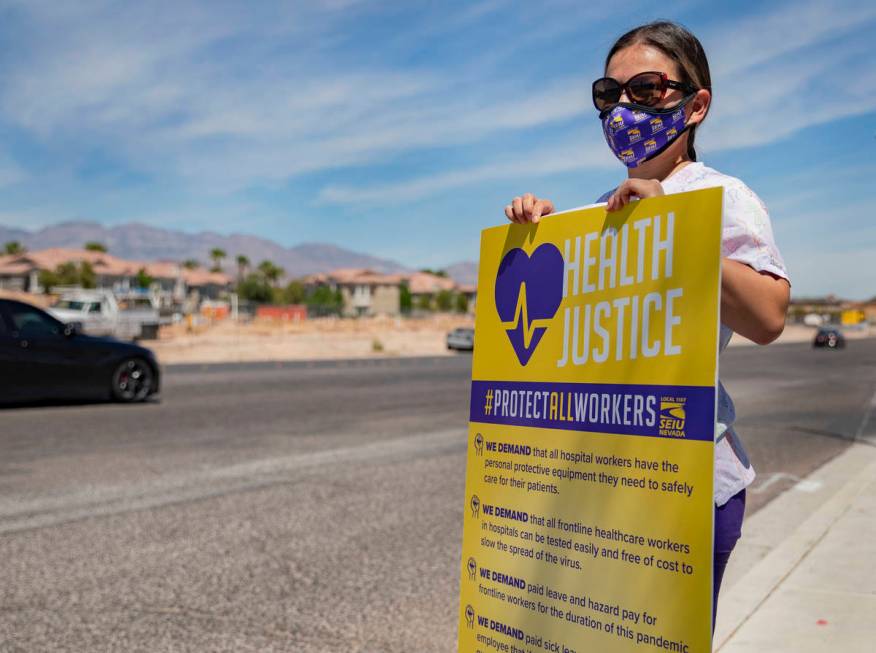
(857, 465)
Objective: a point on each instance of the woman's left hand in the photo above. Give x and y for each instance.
(633, 188)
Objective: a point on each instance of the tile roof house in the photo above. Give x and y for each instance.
(366, 292)
(424, 286)
(20, 272)
(363, 291)
(426, 283)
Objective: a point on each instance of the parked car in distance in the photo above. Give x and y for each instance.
(41, 358)
(830, 338)
(461, 338)
(102, 313)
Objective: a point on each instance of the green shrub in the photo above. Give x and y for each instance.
(255, 288)
(444, 300)
(405, 298)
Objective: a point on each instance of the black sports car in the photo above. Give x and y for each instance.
(42, 358)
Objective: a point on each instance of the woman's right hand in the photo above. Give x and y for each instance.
(528, 208)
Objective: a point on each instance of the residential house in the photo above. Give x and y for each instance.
(424, 286)
(364, 292)
(20, 272)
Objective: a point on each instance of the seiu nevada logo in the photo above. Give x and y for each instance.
(639, 116)
(650, 145)
(656, 125)
(634, 134)
(672, 416)
(627, 155)
(672, 132)
(617, 122)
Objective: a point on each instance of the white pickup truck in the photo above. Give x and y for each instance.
(102, 313)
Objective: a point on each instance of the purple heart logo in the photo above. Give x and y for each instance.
(529, 288)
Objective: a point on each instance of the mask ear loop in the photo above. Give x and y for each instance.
(691, 152)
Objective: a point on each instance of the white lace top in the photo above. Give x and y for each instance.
(747, 237)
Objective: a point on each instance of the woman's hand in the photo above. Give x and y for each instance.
(633, 188)
(528, 208)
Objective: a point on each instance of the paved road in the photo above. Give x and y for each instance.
(305, 508)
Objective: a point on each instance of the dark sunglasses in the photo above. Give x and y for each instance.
(647, 89)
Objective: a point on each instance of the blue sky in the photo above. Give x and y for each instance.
(403, 128)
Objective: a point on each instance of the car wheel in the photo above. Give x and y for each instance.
(132, 380)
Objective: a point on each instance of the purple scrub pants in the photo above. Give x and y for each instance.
(728, 528)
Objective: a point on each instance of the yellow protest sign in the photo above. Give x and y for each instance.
(589, 509)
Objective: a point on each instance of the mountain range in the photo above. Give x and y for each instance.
(141, 242)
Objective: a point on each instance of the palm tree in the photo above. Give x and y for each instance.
(191, 264)
(217, 255)
(270, 271)
(242, 265)
(14, 247)
(94, 246)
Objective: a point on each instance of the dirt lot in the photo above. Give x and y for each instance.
(317, 338)
(336, 338)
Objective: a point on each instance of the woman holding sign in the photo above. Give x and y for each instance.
(655, 94)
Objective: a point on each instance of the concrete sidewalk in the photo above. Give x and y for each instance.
(803, 576)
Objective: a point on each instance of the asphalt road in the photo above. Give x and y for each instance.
(306, 507)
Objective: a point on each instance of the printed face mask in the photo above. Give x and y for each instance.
(636, 133)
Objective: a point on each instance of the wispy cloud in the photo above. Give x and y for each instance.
(178, 97)
(531, 165)
(796, 67)
(10, 171)
(777, 30)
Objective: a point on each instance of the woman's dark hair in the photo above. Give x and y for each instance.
(677, 43)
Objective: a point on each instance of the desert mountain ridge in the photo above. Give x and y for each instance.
(138, 241)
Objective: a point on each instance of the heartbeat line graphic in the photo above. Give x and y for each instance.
(520, 313)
